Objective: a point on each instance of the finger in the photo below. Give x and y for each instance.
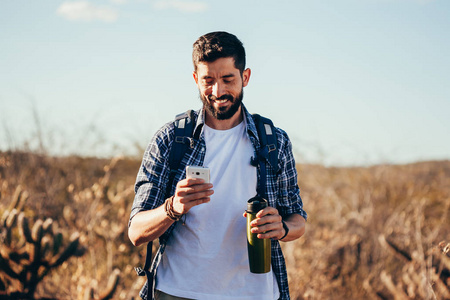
(270, 234)
(200, 195)
(194, 181)
(267, 219)
(267, 211)
(191, 204)
(195, 196)
(183, 207)
(183, 191)
(189, 181)
(275, 235)
(271, 227)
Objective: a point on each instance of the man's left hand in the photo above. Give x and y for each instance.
(268, 224)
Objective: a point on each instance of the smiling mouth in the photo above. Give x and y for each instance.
(221, 101)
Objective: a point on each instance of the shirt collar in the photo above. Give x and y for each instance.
(248, 119)
(251, 127)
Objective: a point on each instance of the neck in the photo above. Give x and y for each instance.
(235, 120)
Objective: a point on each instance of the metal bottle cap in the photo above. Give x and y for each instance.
(255, 204)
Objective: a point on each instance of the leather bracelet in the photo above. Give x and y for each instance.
(168, 208)
(286, 230)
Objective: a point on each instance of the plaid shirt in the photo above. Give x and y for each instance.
(151, 184)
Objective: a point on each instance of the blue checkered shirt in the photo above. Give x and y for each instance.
(282, 189)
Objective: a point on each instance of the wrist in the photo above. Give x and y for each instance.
(168, 208)
(286, 229)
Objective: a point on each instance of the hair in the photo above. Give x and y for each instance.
(219, 44)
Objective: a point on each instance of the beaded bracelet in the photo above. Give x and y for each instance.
(168, 208)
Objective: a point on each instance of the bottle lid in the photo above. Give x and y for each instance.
(255, 204)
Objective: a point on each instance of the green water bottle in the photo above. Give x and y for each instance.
(259, 250)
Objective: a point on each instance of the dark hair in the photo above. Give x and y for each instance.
(219, 44)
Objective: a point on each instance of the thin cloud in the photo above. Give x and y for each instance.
(85, 11)
(183, 6)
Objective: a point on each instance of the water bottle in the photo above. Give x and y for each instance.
(259, 250)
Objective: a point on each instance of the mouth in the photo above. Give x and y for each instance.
(221, 101)
(224, 99)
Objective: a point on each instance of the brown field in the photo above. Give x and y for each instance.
(380, 232)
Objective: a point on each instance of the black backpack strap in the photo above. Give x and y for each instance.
(184, 127)
(267, 152)
(146, 270)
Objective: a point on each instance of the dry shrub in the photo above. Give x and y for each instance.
(360, 221)
(29, 252)
(83, 195)
(379, 232)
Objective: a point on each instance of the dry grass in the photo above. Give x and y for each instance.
(380, 232)
(364, 224)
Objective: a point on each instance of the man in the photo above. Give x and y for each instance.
(206, 254)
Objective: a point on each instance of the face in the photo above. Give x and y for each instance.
(221, 87)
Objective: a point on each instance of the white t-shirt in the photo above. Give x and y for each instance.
(207, 257)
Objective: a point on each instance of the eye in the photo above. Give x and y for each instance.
(228, 79)
(208, 81)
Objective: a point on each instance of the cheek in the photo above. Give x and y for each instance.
(205, 90)
(237, 89)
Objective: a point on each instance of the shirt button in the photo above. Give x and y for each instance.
(203, 149)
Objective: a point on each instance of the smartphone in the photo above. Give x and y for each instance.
(198, 172)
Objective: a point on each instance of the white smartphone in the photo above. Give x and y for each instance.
(198, 172)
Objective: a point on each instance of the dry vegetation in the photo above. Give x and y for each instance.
(380, 232)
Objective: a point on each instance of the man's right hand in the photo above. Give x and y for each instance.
(189, 193)
(148, 225)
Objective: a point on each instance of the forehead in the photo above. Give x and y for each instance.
(218, 67)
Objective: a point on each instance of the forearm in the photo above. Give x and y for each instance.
(296, 225)
(148, 225)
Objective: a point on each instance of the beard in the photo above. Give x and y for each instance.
(223, 113)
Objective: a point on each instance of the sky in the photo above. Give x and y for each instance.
(352, 82)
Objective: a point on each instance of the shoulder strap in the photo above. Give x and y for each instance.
(184, 127)
(267, 152)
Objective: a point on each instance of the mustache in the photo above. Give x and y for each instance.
(223, 97)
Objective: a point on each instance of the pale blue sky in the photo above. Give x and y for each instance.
(351, 81)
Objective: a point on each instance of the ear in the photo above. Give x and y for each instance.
(246, 76)
(194, 74)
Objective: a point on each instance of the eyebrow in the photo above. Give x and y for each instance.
(224, 76)
(228, 76)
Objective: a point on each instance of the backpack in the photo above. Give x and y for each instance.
(184, 124)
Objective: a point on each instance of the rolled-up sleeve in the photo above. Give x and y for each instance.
(289, 200)
(153, 175)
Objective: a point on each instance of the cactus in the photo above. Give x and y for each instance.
(19, 198)
(28, 258)
(32, 246)
(25, 228)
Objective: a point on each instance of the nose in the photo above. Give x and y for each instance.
(218, 90)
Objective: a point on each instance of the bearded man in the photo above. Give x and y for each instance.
(206, 256)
